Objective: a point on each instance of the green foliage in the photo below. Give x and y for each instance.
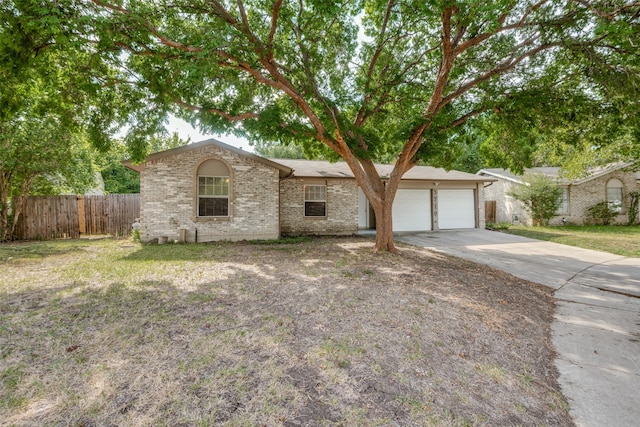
(39, 156)
(361, 79)
(369, 73)
(135, 235)
(540, 196)
(44, 108)
(602, 212)
(278, 151)
(634, 196)
(121, 180)
(615, 239)
(500, 226)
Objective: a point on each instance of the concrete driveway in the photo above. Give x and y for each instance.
(596, 330)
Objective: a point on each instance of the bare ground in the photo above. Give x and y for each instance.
(322, 332)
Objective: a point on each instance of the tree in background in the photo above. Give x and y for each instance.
(117, 178)
(39, 156)
(55, 111)
(43, 145)
(586, 113)
(357, 80)
(275, 150)
(121, 180)
(540, 196)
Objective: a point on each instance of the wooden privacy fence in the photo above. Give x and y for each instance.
(490, 211)
(54, 217)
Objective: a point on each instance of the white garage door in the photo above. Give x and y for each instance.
(456, 209)
(412, 210)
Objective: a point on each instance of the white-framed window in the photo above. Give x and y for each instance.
(315, 200)
(563, 202)
(615, 191)
(213, 195)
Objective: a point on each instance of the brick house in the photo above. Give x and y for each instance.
(212, 191)
(612, 184)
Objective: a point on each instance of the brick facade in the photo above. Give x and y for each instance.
(342, 207)
(266, 198)
(587, 194)
(168, 198)
(582, 195)
(508, 209)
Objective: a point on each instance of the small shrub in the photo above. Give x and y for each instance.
(540, 196)
(602, 212)
(498, 226)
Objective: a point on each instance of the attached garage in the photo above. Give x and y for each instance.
(412, 210)
(456, 209)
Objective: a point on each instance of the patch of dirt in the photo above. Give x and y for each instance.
(317, 333)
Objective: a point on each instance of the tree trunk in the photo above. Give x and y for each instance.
(384, 227)
(5, 231)
(380, 193)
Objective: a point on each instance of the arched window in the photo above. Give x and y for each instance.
(615, 194)
(213, 189)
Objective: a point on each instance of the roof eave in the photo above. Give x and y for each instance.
(601, 173)
(284, 171)
(499, 176)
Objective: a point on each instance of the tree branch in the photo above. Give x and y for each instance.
(501, 68)
(466, 117)
(152, 29)
(405, 159)
(608, 15)
(474, 41)
(274, 23)
(229, 117)
(360, 117)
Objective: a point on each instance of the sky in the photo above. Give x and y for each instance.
(185, 130)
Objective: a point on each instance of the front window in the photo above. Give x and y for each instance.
(563, 202)
(614, 195)
(213, 196)
(315, 200)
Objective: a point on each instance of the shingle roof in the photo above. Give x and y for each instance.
(325, 169)
(284, 170)
(553, 172)
(319, 168)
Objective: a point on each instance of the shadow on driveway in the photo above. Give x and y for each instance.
(596, 330)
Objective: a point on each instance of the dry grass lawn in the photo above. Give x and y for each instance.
(314, 333)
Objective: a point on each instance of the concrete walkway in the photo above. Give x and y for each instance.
(596, 330)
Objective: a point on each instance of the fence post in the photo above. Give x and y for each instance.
(81, 221)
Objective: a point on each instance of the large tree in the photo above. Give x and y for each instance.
(43, 144)
(358, 80)
(38, 155)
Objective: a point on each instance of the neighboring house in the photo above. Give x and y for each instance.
(98, 189)
(212, 191)
(612, 184)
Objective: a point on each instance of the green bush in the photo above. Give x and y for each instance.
(540, 196)
(601, 212)
(498, 226)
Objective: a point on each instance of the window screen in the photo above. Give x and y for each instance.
(213, 196)
(315, 200)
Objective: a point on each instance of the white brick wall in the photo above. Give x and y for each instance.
(168, 198)
(581, 197)
(342, 207)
